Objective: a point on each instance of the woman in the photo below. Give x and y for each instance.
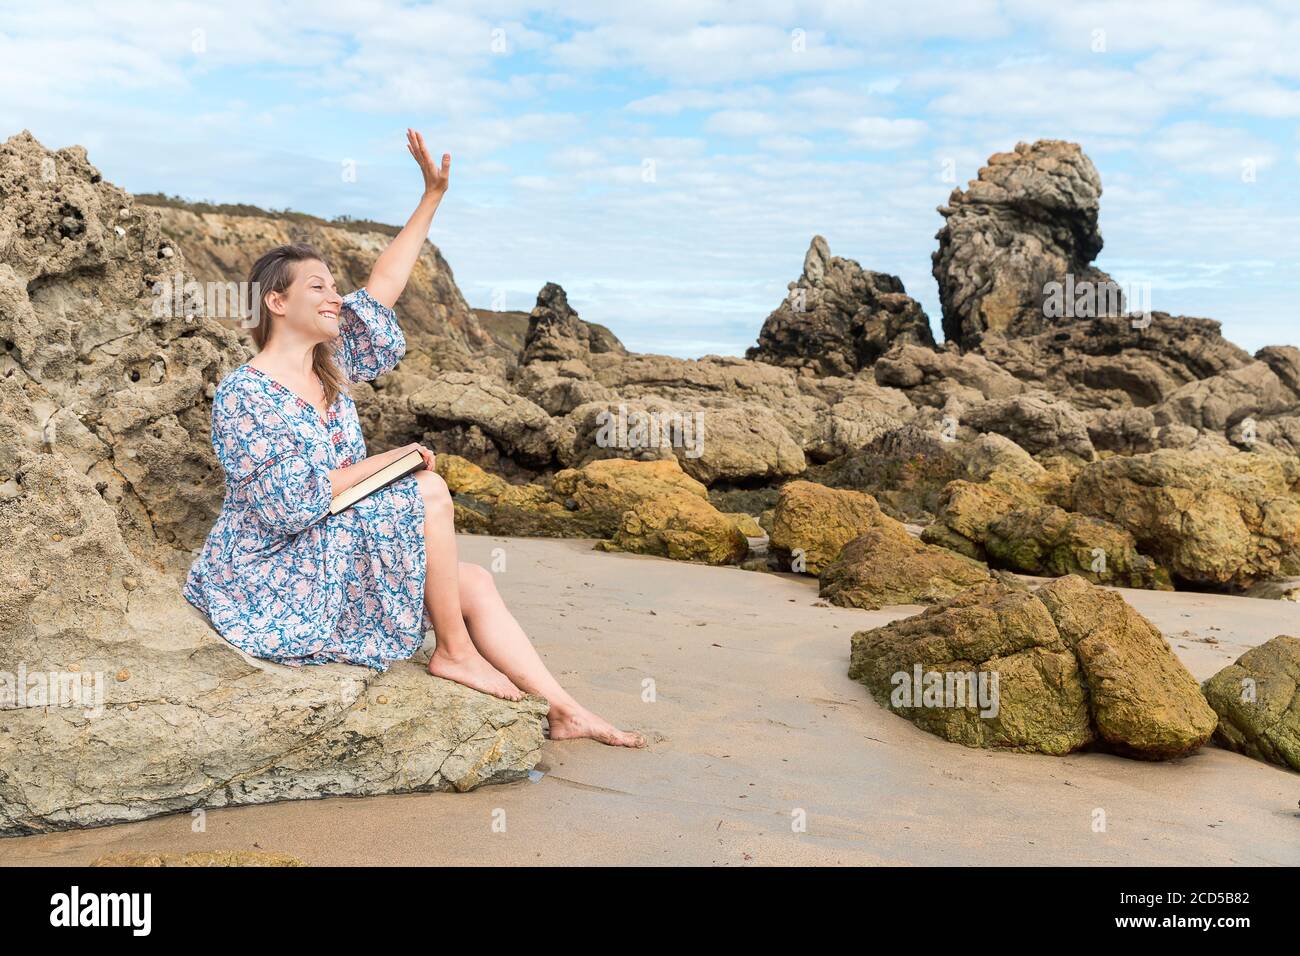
(281, 578)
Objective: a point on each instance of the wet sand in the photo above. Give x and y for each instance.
(755, 729)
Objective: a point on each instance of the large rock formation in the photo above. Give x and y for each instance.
(1030, 219)
(107, 480)
(839, 317)
(1115, 361)
(556, 334)
(95, 369)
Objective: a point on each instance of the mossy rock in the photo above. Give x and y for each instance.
(1042, 703)
(812, 523)
(1257, 699)
(886, 565)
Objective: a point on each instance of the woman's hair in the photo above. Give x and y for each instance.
(274, 273)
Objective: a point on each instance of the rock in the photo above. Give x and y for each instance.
(1127, 431)
(857, 412)
(931, 379)
(1110, 362)
(1036, 422)
(1210, 519)
(993, 453)
(967, 509)
(1143, 701)
(905, 469)
(1052, 542)
(519, 428)
(463, 477)
(839, 317)
(1030, 219)
(647, 507)
(742, 445)
(1257, 699)
(533, 511)
(1063, 666)
(681, 526)
(747, 524)
(1251, 391)
(1007, 640)
(561, 387)
(182, 719)
(886, 565)
(109, 376)
(556, 333)
(1284, 361)
(608, 488)
(812, 523)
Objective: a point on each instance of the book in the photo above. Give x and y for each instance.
(411, 462)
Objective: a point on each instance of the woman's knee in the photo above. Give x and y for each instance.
(434, 493)
(476, 583)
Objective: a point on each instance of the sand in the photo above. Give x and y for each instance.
(756, 730)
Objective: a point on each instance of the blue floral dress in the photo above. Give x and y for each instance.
(281, 578)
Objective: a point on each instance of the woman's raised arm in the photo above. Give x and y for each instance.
(393, 268)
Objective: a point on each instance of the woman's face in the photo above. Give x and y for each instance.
(310, 306)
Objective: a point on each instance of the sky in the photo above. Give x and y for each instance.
(668, 163)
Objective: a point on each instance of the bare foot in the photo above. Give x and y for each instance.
(583, 723)
(473, 671)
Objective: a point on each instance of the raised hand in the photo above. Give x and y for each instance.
(436, 178)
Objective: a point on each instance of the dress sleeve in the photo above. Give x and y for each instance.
(370, 342)
(265, 462)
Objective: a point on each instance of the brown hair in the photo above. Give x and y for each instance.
(273, 272)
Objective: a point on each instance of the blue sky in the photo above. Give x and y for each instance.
(668, 163)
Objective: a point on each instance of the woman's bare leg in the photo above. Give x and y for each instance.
(502, 641)
(455, 657)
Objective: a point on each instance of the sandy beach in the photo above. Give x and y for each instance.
(755, 727)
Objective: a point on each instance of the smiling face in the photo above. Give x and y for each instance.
(309, 307)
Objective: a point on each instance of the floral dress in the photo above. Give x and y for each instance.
(281, 578)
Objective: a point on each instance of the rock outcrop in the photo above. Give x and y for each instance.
(556, 334)
(838, 317)
(1030, 219)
